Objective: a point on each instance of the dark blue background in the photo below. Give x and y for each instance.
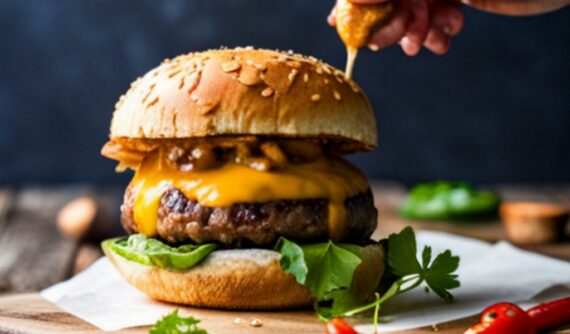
(496, 108)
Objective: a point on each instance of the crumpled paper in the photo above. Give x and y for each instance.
(488, 274)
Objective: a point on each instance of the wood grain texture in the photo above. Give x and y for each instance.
(34, 254)
(31, 314)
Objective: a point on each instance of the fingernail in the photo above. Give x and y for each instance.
(373, 47)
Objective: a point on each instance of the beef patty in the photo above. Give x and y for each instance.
(183, 220)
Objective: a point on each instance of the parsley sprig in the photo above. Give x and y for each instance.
(328, 271)
(172, 323)
(406, 273)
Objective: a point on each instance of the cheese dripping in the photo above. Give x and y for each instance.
(333, 179)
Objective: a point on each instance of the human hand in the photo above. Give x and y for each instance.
(416, 24)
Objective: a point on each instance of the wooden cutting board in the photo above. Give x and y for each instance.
(30, 313)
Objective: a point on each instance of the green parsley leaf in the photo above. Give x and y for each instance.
(426, 256)
(402, 253)
(439, 275)
(332, 268)
(403, 263)
(322, 268)
(341, 289)
(175, 324)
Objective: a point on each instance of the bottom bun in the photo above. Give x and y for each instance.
(228, 279)
(240, 279)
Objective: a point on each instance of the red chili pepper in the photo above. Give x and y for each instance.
(551, 314)
(339, 326)
(503, 318)
(509, 318)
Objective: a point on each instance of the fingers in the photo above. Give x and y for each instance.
(393, 32)
(446, 21)
(418, 29)
(448, 17)
(331, 19)
(416, 24)
(437, 41)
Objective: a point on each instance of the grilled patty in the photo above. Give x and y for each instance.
(183, 220)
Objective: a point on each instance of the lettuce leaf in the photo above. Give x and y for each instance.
(153, 252)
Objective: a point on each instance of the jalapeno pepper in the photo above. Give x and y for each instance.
(448, 200)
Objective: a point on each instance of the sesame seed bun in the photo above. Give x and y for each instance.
(245, 91)
(238, 279)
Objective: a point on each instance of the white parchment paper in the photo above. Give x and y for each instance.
(488, 274)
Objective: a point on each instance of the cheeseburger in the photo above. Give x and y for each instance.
(234, 152)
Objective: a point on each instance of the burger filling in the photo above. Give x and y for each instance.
(182, 220)
(243, 190)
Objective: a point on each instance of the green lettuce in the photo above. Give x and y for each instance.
(153, 252)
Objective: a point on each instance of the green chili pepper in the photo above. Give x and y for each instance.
(448, 200)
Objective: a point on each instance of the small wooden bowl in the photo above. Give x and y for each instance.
(534, 222)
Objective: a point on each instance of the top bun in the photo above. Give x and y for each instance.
(245, 91)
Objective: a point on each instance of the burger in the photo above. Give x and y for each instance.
(240, 197)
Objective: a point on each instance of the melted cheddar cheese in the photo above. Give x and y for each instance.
(330, 178)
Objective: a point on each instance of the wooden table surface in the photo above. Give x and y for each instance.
(35, 256)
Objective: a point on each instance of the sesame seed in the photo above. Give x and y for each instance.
(238, 321)
(315, 97)
(267, 92)
(293, 74)
(306, 77)
(153, 102)
(255, 322)
(337, 95)
(294, 63)
(230, 66)
(260, 67)
(319, 70)
(194, 97)
(173, 74)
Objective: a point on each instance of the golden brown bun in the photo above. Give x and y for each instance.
(239, 279)
(228, 279)
(246, 91)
